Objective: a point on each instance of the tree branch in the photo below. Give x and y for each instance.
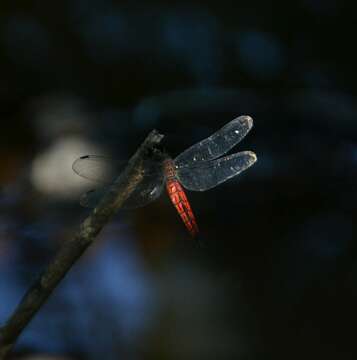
(71, 250)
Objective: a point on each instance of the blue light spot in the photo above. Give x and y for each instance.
(194, 40)
(147, 114)
(105, 36)
(260, 54)
(26, 41)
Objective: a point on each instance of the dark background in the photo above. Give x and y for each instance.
(278, 276)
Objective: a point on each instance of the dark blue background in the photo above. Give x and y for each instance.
(277, 278)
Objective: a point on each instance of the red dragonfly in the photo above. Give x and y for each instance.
(199, 168)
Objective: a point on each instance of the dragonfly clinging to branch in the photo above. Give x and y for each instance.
(199, 168)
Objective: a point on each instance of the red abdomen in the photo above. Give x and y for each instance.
(179, 199)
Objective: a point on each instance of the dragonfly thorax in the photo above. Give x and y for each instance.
(169, 168)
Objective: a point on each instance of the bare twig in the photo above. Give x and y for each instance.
(71, 251)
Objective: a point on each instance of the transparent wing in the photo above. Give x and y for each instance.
(104, 170)
(139, 198)
(91, 198)
(147, 191)
(206, 175)
(96, 168)
(217, 144)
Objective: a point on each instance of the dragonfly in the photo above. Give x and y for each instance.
(201, 167)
